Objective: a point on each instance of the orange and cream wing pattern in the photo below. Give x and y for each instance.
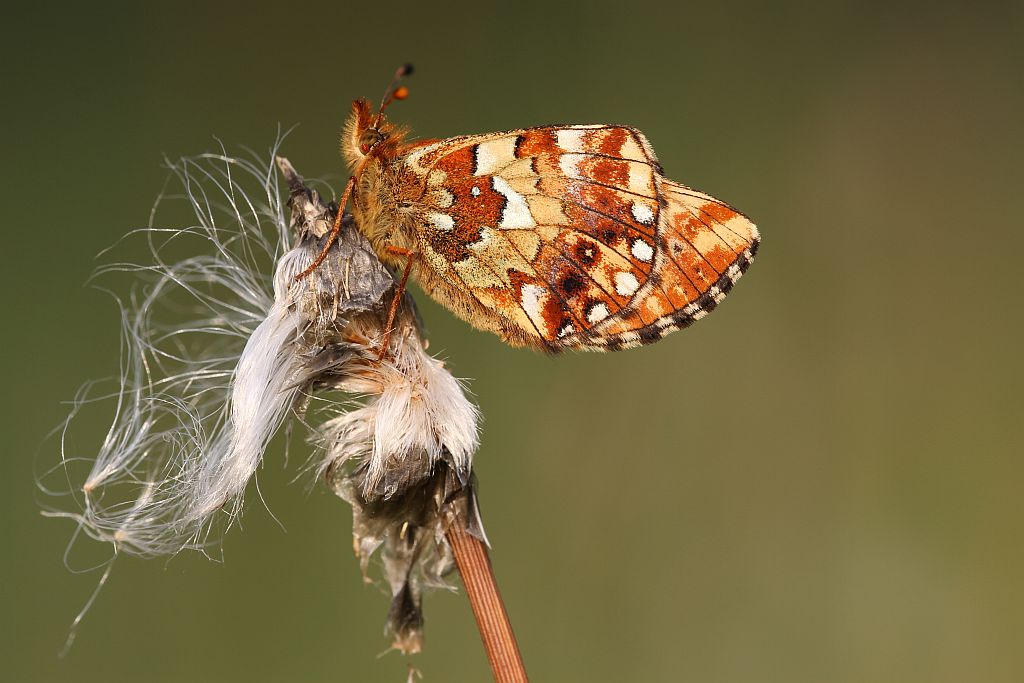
(572, 235)
(703, 247)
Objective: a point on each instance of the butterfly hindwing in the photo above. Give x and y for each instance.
(704, 246)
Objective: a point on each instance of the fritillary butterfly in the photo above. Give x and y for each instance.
(554, 237)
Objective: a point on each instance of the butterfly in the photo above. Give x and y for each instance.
(553, 237)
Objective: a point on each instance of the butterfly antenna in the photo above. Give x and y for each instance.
(394, 90)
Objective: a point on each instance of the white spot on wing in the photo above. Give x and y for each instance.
(494, 155)
(531, 300)
(475, 191)
(568, 162)
(642, 251)
(441, 221)
(570, 139)
(485, 161)
(643, 213)
(516, 213)
(597, 313)
(625, 283)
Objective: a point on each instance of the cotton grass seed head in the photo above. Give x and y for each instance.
(222, 345)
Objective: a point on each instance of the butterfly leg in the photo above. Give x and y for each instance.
(399, 291)
(334, 231)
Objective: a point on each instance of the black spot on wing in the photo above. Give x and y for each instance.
(572, 284)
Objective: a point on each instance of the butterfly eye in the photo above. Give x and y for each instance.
(369, 138)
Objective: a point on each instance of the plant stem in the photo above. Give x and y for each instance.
(492, 620)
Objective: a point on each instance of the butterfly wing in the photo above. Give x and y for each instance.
(704, 246)
(571, 234)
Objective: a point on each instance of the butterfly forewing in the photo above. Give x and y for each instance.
(572, 234)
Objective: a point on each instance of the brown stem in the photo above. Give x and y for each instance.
(492, 620)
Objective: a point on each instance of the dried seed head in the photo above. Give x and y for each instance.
(198, 400)
(403, 458)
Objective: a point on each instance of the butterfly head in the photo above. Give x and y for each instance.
(368, 134)
(369, 139)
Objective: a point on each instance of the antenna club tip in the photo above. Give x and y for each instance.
(401, 93)
(405, 70)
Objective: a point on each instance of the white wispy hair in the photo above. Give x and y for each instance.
(189, 427)
(200, 396)
(219, 346)
(417, 408)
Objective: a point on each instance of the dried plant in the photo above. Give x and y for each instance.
(220, 347)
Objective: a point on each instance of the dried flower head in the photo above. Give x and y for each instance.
(221, 346)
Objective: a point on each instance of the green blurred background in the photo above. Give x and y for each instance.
(820, 482)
